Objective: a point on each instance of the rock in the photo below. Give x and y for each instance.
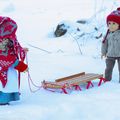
(60, 30)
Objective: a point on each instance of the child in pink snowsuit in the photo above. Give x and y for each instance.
(111, 44)
(12, 57)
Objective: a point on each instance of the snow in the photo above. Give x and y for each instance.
(37, 21)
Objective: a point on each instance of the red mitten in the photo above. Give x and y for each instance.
(21, 67)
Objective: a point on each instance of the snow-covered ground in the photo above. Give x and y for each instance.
(37, 20)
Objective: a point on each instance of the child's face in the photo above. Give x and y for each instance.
(3, 43)
(113, 26)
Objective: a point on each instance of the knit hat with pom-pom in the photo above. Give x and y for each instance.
(114, 16)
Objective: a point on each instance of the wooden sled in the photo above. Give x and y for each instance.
(74, 81)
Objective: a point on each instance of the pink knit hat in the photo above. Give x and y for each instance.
(114, 16)
(8, 27)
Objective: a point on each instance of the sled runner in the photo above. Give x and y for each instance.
(74, 81)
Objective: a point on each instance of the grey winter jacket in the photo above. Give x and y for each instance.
(111, 46)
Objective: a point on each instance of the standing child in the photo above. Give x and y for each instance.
(12, 56)
(111, 44)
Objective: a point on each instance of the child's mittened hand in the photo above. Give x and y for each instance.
(21, 67)
(26, 49)
(103, 56)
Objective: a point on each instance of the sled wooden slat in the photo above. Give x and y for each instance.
(53, 85)
(70, 77)
(81, 78)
